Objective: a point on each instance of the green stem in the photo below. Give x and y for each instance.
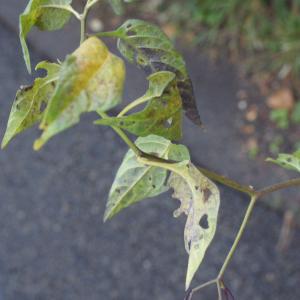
(132, 105)
(238, 236)
(82, 29)
(123, 136)
(114, 34)
(219, 290)
(83, 18)
(228, 182)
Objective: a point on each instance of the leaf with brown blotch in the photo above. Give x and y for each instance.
(161, 116)
(288, 161)
(39, 13)
(149, 47)
(135, 182)
(200, 200)
(28, 107)
(90, 79)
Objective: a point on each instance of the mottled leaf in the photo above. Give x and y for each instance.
(90, 79)
(149, 47)
(162, 115)
(135, 181)
(200, 199)
(45, 18)
(288, 161)
(28, 106)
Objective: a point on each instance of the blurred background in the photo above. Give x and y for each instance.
(243, 58)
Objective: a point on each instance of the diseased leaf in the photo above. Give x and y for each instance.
(135, 181)
(149, 47)
(288, 161)
(28, 106)
(45, 18)
(200, 200)
(162, 115)
(90, 79)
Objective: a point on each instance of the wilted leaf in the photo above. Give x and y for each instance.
(149, 47)
(28, 106)
(91, 79)
(162, 115)
(288, 161)
(200, 199)
(135, 181)
(45, 18)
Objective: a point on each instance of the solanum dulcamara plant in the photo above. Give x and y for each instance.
(91, 79)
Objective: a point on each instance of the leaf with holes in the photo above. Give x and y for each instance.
(39, 13)
(27, 108)
(162, 115)
(200, 200)
(135, 181)
(91, 79)
(149, 47)
(288, 161)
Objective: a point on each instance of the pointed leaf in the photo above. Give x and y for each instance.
(27, 108)
(288, 161)
(162, 115)
(91, 79)
(200, 200)
(45, 18)
(135, 181)
(149, 47)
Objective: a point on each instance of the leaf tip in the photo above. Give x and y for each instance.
(107, 216)
(187, 284)
(28, 66)
(5, 141)
(38, 144)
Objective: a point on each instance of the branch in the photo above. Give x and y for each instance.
(248, 189)
(278, 186)
(228, 182)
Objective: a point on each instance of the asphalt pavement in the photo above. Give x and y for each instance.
(53, 243)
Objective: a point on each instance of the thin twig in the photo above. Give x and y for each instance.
(198, 288)
(278, 186)
(219, 290)
(228, 182)
(123, 136)
(238, 236)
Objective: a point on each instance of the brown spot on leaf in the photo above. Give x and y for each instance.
(207, 193)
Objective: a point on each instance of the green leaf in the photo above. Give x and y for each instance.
(135, 181)
(295, 117)
(91, 79)
(280, 117)
(27, 108)
(45, 18)
(162, 115)
(117, 5)
(200, 200)
(288, 161)
(149, 47)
